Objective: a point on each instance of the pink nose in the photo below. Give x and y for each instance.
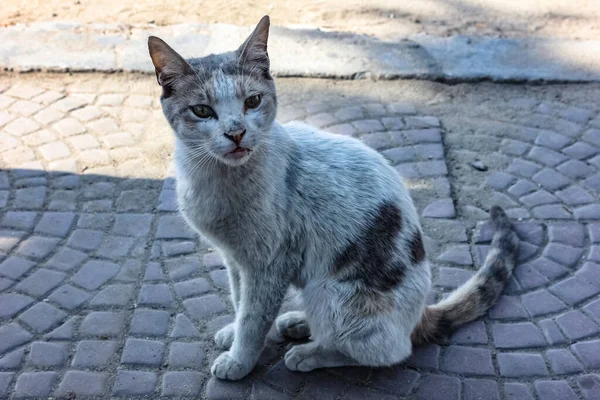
(236, 136)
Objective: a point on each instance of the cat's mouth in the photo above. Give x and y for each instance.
(238, 152)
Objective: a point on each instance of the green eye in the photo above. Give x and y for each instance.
(253, 101)
(203, 111)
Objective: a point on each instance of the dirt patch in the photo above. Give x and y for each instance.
(577, 19)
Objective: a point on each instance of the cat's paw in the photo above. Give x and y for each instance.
(293, 324)
(227, 367)
(224, 337)
(302, 358)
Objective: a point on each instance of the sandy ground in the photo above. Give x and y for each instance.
(576, 19)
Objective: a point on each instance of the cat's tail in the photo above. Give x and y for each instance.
(472, 300)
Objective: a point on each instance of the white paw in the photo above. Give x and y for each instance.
(300, 358)
(293, 324)
(224, 337)
(226, 367)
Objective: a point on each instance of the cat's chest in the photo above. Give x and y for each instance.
(215, 216)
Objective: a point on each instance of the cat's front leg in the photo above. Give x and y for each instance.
(263, 290)
(224, 337)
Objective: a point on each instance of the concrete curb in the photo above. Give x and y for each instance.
(70, 46)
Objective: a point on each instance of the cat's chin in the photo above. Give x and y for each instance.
(237, 157)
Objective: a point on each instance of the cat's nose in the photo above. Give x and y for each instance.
(236, 136)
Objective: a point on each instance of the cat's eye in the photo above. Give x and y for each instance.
(253, 101)
(202, 111)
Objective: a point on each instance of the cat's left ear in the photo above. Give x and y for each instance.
(254, 49)
(168, 64)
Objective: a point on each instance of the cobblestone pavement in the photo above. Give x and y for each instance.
(105, 293)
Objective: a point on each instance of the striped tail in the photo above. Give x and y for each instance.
(472, 300)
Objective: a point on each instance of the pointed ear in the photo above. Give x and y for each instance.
(254, 49)
(168, 64)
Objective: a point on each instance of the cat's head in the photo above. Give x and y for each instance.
(221, 105)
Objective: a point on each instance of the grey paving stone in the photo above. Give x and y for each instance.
(589, 386)
(522, 187)
(217, 389)
(576, 325)
(563, 362)
(12, 360)
(98, 221)
(541, 302)
(186, 355)
(479, 389)
(565, 255)
(576, 169)
(571, 234)
(181, 383)
(83, 383)
(85, 239)
(588, 352)
(580, 150)
(174, 249)
(472, 333)
(131, 271)
(55, 223)
(113, 295)
(551, 180)
(205, 306)
(551, 332)
(155, 295)
(137, 225)
(329, 387)
(468, 360)
(9, 239)
(220, 278)
(573, 290)
(517, 391)
(452, 277)
(517, 365)
(443, 208)
(173, 227)
(134, 383)
(193, 287)
(508, 308)
(437, 387)
(12, 303)
(515, 336)
(6, 379)
(103, 324)
(262, 391)
(31, 198)
(281, 377)
(66, 259)
(377, 140)
(24, 220)
(143, 352)
(69, 297)
(546, 156)
(559, 390)
(40, 282)
(42, 317)
(425, 357)
(523, 168)
(529, 277)
(94, 354)
(184, 328)
(94, 274)
(150, 322)
(64, 331)
(500, 180)
(591, 211)
(552, 140)
(37, 247)
(550, 269)
(115, 247)
(34, 384)
(47, 355)
(537, 198)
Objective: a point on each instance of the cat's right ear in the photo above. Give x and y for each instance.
(168, 64)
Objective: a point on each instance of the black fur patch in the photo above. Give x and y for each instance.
(372, 259)
(417, 251)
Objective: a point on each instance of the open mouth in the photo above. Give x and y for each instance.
(238, 152)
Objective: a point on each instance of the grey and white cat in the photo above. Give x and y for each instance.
(290, 206)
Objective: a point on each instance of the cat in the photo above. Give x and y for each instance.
(291, 206)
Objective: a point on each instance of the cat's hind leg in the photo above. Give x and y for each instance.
(312, 355)
(293, 324)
